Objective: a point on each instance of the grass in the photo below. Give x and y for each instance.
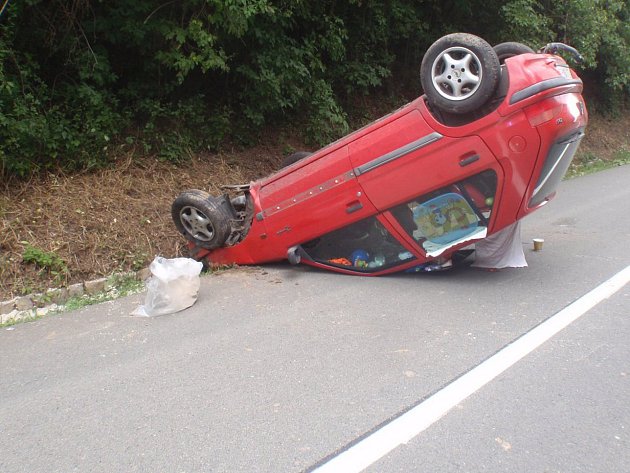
(123, 223)
(120, 285)
(588, 163)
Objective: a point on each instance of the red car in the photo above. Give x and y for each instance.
(485, 146)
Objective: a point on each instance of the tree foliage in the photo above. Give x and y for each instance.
(79, 79)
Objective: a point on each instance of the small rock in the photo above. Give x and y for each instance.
(143, 274)
(39, 300)
(57, 296)
(505, 445)
(7, 306)
(41, 311)
(75, 290)
(109, 284)
(10, 317)
(23, 303)
(95, 286)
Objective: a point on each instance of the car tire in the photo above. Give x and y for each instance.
(201, 218)
(459, 73)
(295, 157)
(511, 49)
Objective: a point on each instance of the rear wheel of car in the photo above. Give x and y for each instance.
(459, 73)
(295, 157)
(201, 218)
(511, 49)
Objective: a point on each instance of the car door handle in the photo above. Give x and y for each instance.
(353, 206)
(469, 160)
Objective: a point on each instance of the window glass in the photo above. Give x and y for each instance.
(450, 215)
(364, 246)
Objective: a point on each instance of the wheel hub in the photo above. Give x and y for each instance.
(456, 73)
(197, 223)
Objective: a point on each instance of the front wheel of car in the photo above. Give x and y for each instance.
(201, 218)
(459, 73)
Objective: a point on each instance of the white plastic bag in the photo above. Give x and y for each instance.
(173, 286)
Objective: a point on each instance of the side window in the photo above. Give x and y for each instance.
(363, 246)
(450, 215)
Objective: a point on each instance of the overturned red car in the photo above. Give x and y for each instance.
(487, 144)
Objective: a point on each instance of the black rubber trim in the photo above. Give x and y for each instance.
(398, 153)
(354, 208)
(469, 160)
(532, 90)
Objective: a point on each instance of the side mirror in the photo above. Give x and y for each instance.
(293, 255)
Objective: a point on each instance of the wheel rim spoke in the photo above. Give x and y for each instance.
(449, 61)
(454, 73)
(197, 223)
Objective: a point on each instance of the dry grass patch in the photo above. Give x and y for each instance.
(113, 220)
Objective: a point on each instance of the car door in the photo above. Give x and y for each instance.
(438, 191)
(311, 198)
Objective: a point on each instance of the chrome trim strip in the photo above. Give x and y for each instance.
(568, 142)
(398, 153)
(302, 196)
(553, 168)
(532, 90)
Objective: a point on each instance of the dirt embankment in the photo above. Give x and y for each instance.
(118, 219)
(112, 220)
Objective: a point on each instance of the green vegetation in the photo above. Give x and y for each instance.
(120, 285)
(83, 82)
(588, 163)
(47, 261)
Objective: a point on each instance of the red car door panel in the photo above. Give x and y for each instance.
(422, 164)
(319, 197)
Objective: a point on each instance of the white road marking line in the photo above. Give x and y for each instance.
(404, 428)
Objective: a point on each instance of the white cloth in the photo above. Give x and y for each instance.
(503, 249)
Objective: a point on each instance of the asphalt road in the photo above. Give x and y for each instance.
(280, 369)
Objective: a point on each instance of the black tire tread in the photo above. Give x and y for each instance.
(511, 49)
(295, 157)
(490, 66)
(210, 206)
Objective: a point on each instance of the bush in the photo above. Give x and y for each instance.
(60, 124)
(81, 81)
